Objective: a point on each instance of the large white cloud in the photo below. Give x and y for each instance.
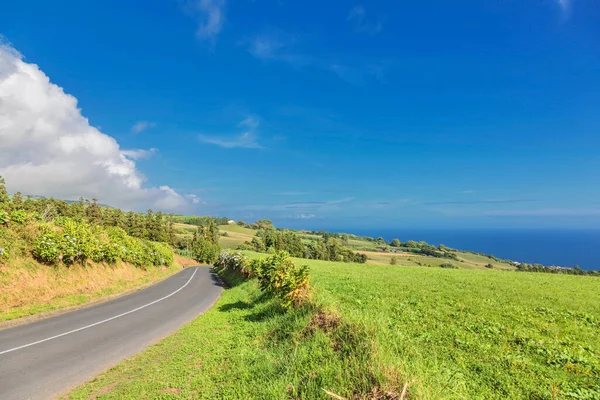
(48, 148)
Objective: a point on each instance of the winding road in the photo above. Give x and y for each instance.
(46, 358)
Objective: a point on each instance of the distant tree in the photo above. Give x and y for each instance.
(17, 200)
(395, 243)
(93, 213)
(3, 193)
(489, 266)
(393, 260)
(380, 240)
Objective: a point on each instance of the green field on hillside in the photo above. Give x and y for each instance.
(236, 235)
(445, 333)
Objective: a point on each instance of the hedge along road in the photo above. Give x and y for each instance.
(44, 359)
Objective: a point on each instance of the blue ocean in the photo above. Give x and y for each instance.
(547, 247)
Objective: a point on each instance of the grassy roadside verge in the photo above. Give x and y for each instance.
(447, 333)
(247, 346)
(29, 288)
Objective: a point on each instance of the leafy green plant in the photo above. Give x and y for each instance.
(233, 262)
(4, 218)
(19, 216)
(47, 248)
(276, 275)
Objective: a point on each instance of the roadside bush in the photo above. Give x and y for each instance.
(46, 248)
(79, 241)
(161, 253)
(233, 262)
(276, 275)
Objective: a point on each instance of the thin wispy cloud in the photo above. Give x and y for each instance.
(141, 126)
(564, 4)
(277, 46)
(305, 207)
(301, 216)
(292, 193)
(139, 154)
(546, 212)
(246, 139)
(210, 16)
(357, 17)
(506, 201)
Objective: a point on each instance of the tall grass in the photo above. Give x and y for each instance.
(27, 287)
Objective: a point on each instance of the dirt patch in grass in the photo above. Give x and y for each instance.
(327, 321)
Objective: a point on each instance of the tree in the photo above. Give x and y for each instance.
(17, 200)
(3, 193)
(93, 213)
(395, 243)
(394, 260)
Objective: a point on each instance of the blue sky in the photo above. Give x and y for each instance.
(314, 114)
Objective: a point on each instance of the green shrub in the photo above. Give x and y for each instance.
(4, 218)
(278, 275)
(233, 262)
(205, 251)
(448, 265)
(47, 248)
(79, 241)
(19, 217)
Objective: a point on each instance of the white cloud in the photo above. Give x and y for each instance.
(194, 199)
(247, 139)
(210, 15)
(357, 16)
(139, 154)
(141, 126)
(48, 148)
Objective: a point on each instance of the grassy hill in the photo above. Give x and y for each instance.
(376, 330)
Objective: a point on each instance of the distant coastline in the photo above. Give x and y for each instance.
(564, 248)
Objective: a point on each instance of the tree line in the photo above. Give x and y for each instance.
(576, 270)
(154, 226)
(327, 249)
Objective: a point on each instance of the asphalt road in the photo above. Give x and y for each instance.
(44, 359)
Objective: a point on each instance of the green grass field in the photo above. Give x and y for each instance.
(236, 236)
(456, 334)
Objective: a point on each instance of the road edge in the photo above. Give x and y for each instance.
(49, 314)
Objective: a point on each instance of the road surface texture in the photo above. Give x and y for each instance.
(44, 359)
